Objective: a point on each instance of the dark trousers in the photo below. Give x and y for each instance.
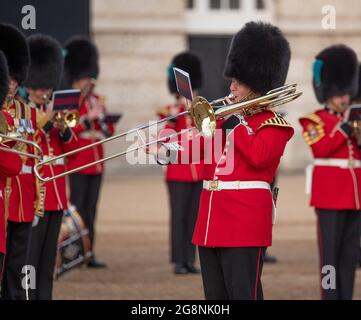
(338, 240)
(232, 273)
(184, 204)
(2, 257)
(42, 253)
(18, 235)
(84, 194)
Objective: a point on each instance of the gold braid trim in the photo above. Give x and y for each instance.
(315, 131)
(277, 121)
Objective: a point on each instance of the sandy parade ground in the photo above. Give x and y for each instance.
(133, 239)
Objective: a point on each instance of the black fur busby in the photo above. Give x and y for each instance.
(190, 63)
(357, 97)
(4, 78)
(259, 57)
(13, 45)
(335, 72)
(46, 62)
(81, 59)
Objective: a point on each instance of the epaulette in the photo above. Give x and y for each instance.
(163, 111)
(314, 131)
(314, 118)
(277, 120)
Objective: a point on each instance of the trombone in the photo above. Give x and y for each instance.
(6, 136)
(204, 117)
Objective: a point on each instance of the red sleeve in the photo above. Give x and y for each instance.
(70, 144)
(10, 163)
(325, 144)
(263, 148)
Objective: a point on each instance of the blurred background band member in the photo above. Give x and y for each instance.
(20, 191)
(81, 71)
(336, 177)
(234, 225)
(184, 181)
(10, 163)
(55, 138)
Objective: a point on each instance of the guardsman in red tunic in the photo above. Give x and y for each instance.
(54, 138)
(336, 175)
(20, 195)
(234, 225)
(81, 70)
(10, 163)
(184, 181)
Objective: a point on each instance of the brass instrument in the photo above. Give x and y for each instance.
(69, 117)
(204, 117)
(7, 136)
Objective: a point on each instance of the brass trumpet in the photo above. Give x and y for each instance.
(204, 117)
(6, 136)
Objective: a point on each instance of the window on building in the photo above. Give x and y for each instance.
(225, 4)
(215, 4)
(260, 5)
(234, 4)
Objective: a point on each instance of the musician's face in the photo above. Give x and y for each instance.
(39, 96)
(239, 90)
(12, 88)
(339, 103)
(83, 84)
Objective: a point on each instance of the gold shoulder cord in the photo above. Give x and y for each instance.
(39, 203)
(7, 198)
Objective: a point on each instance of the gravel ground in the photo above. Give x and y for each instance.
(132, 237)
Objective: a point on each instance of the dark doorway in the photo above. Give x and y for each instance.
(213, 52)
(60, 19)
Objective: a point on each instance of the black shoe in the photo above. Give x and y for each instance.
(94, 263)
(269, 259)
(180, 269)
(191, 268)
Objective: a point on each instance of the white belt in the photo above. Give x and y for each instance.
(92, 135)
(26, 169)
(342, 163)
(216, 185)
(60, 162)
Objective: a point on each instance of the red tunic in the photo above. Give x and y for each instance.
(332, 187)
(51, 143)
(87, 135)
(241, 218)
(10, 165)
(22, 187)
(181, 172)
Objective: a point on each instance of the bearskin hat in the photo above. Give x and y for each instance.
(81, 59)
(190, 63)
(335, 72)
(14, 46)
(4, 78)
(259, 57)
(46, 62)
(357, 98)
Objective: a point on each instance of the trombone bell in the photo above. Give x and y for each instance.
(202, 113)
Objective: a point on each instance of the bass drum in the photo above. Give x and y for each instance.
(74, 247)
